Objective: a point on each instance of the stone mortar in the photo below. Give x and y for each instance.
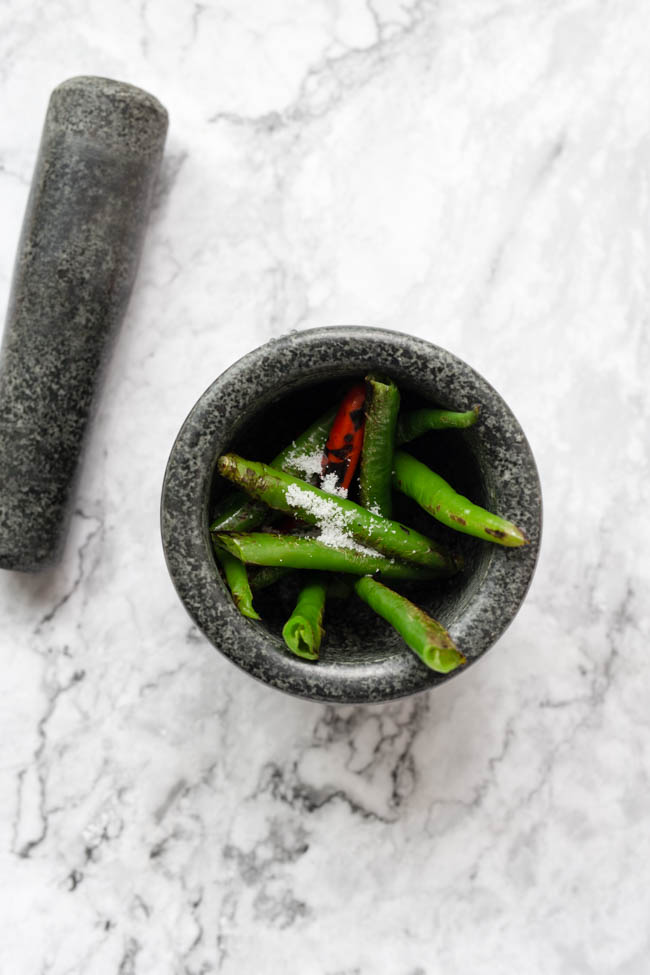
(362, 659)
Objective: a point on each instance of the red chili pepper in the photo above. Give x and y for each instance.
(343, 447)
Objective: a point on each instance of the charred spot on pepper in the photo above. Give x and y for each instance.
(342, 453)
(357, 417)
(457, 518)
(336, 467)
(495, 532)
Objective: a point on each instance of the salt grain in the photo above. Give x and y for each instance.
(330, 485)
(310, 466)
(306, 464)
(333, 523)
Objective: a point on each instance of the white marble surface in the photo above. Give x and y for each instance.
(475, 173)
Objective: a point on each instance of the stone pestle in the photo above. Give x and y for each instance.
(81, 240)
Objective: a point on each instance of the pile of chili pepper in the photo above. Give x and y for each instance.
(324, 532)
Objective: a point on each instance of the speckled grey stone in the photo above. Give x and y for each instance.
(362, 659)
(82, 235)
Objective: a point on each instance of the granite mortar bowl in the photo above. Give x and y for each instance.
(258, 406)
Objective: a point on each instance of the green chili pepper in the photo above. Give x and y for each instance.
(303, 630)
(437, 497)
(382, 406)
(286, 493)
(237, 579)
(309, 442)
(295, 552)
(238, 513)
(416, 422)
(425, 636)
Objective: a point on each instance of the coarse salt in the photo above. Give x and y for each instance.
(329, 483)
(310, 466)
(332, 523)
(306, 464)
